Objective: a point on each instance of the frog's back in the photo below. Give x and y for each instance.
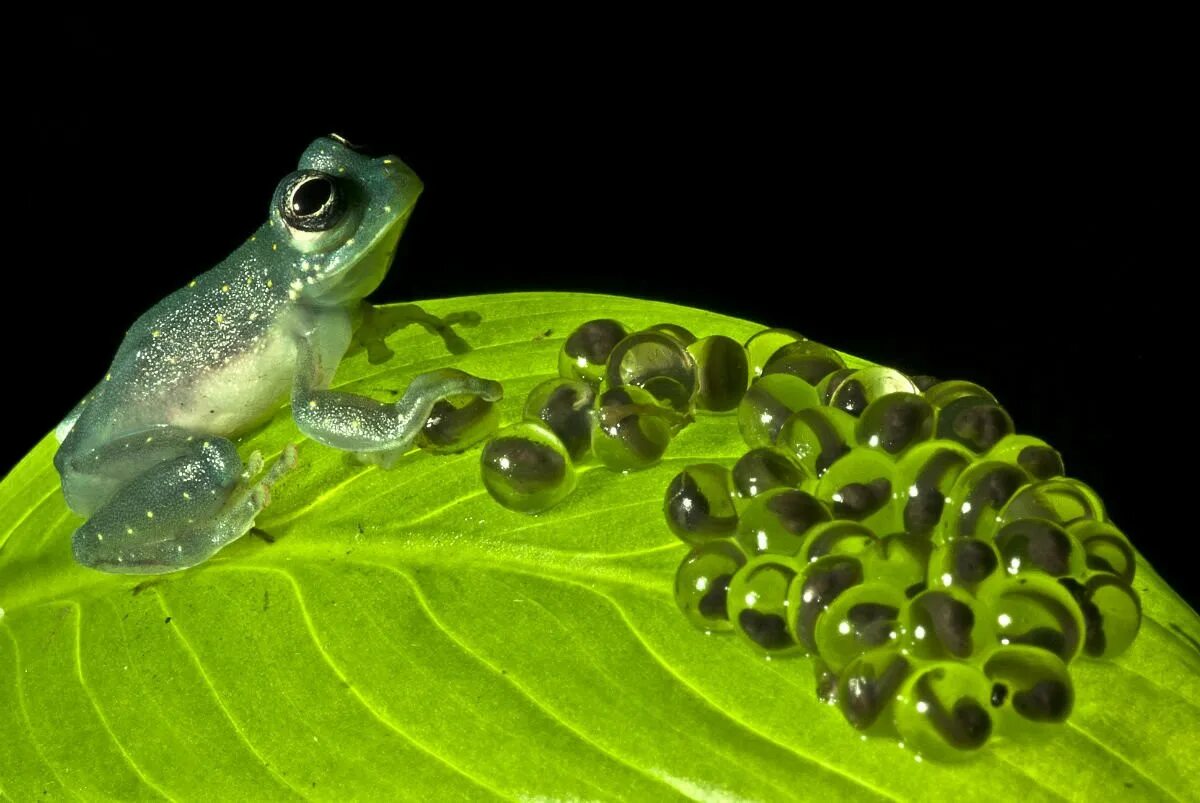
(214, 356)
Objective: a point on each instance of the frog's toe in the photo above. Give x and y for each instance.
(492, 391)
(254, 465)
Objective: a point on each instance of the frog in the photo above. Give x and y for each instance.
(149, 456)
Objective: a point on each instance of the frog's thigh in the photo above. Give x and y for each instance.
(91, 478)
(175, 514)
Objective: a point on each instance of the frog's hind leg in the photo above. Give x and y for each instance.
(179, 512)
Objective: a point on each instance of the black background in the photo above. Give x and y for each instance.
(1012, 231)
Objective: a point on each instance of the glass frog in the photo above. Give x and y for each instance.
(148, 455)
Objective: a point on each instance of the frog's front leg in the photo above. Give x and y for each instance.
(173, 513)
(358, 424)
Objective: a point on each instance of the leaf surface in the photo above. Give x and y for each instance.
(405, 636)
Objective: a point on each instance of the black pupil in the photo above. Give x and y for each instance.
(309, 197)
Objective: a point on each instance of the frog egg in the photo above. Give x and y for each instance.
(859, 487)
(979, 494)
(679, 333)
(1035, 611)
(1030, 688)
(925, 476)
(761, 346)
(901, 559)
(1107, 549)
(776, 521)
(868, 686)
(632, 430)
(895, 422)
(944, 624)
(1112, 614)
(805, 359)
(943, 711)
(974, 422)
(723, 373)
(768, 403)
(821, 582)
(1060, 499)
(526, 468)
(966, 563)
(1030, 453)
(857, 390)
(765, 468)
(565, 406)
(862, 618)
(757, 603)
(585, 353)
(1039, 545)
(699, 504)
(831, 382)
(702, 584)
(458, 423)
(817, 437)
(942, 394)
(924, 382)
(657, 363)
(837, 538)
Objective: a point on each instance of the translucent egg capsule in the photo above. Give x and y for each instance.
(943, 711)
(815, 590)
(1030, 688)
(699, 504)
(458, 423)
(945, 624)
(1034, 455)
(837, 538)
(777, 521)
(566, 407)
(979, 494)
(895, 422)
(684, 336)
(966, 563)
(1035, 611)
(585, 353)
(632, 430)
(862, 618)
(805, 359)
(1106, 548)
(859, 487)
(901, 559)
(969, 414)
(831, 382)
(768, 403)
(817, 437)
(702, 584)
(757, 603)
(657, 363)
(764, 468)
(859, 388)
(868, 686)
(761, 346)
(526, 468)
(1039, 545)
(1060, 499)
(1112, 614)
(925, 476)
(723, 372)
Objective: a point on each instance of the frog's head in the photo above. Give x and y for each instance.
(342, 213)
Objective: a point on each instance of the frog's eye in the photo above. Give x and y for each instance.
(310, 201)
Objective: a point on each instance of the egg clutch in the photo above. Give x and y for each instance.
(939, 568)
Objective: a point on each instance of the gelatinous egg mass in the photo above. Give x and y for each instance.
(585, 353)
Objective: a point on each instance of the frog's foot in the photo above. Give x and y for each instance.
(180, 512)
(379, 322)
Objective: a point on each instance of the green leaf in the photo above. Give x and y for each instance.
(404, 636)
